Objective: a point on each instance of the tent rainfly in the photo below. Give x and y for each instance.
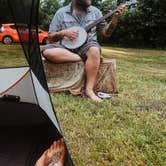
(28, 123)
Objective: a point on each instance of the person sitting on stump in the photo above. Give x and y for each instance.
(79, 13)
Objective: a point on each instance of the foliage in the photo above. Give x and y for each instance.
(66, 2)
(108, 5)
(5, 14)
(143, 26)
(46, 12)
(97, 3)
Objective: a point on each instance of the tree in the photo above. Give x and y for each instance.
(5, 14)
(97, 3)
(47, 10)
(143, 26)
(66, 2)
(152, 14)
(108, 5)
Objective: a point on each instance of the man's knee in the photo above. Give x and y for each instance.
(46, 53)
(94, 52)
(50, 54)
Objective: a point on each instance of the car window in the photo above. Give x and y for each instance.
(20, 27)
(13, 26)
(1, 28)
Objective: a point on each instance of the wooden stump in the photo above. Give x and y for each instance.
(71, 77)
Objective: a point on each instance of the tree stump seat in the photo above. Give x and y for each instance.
(71, 77)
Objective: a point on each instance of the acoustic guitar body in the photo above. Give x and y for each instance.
(76, 43)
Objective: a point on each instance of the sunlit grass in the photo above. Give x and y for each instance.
(12, 55)
(127, 130)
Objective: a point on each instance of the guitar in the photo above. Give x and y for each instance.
(83, 32)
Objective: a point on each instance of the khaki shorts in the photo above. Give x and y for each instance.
(81, 51)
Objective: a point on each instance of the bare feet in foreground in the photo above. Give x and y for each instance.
(93, 96)
(54, 156)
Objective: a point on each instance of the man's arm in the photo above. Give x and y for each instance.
(56, 36)
(110, 27)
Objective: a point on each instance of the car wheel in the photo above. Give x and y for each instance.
(7, 40)
(45, 41)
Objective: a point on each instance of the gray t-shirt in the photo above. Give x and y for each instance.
(65, 18)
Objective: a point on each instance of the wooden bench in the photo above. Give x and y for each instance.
(71, 77)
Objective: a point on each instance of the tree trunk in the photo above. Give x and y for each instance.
(71, 77)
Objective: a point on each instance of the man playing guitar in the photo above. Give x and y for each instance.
(79, 13)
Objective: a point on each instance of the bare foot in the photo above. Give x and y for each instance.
(43, 160)
(93, 96)
(54, 156)
(57, 152)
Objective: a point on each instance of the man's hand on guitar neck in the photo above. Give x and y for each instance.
(119, 11)
(112, 24)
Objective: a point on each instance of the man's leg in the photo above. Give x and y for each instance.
(92, 67)
(59, 55)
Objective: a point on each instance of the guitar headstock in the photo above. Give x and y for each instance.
(131, 2)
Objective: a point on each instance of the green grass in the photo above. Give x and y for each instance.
(127, 130)
(12, 55)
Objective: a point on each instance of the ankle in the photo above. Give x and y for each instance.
(89, 91)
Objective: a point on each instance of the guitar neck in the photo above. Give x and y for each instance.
(127, 3)
(90, 26)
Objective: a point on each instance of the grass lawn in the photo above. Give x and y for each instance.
(128, 130)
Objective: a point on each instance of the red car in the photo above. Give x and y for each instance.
(8, 34)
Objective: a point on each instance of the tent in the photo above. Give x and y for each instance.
(28, 123)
